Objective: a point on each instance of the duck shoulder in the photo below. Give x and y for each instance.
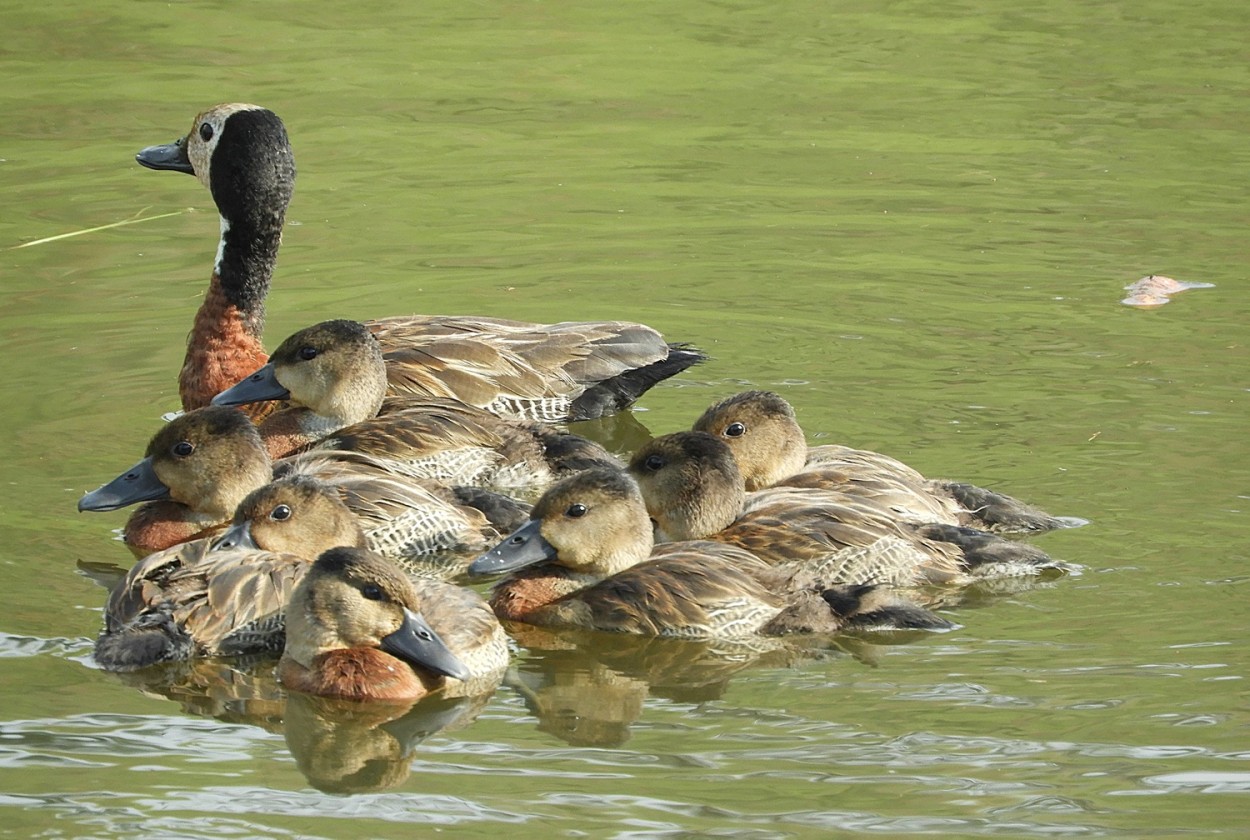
(227, 602)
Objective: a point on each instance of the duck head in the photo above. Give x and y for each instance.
(241, 153)
(690, 483)
(334, 369)
(593, 523)
(297, 515)
(207, 460)
(760, 428)
(352, 598)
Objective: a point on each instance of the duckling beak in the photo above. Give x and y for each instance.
(171, 156)
(416, 643)
(237, 536)
(524, 547)
(260, 386)
(137, 484)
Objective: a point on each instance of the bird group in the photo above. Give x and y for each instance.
(325, 501)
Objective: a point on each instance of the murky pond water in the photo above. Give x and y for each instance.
(914, 221)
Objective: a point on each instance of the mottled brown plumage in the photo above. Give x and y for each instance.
(693, 490)
(761, 429)
(206, 461)
(196, 600)
(334, 378)
(566, 371)
(587, 560)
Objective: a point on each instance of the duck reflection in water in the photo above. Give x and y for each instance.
(340, 746)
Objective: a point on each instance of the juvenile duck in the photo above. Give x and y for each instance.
(200, 466)
(693, 490)
(769, 446)
(586, 559)
(334, 379)
(565, 371)
(193, 600)
(357, 628)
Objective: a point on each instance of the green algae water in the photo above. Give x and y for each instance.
(913, 221)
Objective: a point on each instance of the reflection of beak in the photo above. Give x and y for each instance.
(260, 386)
(171, 156)
(238, 535)
(524, 547)
(416, 643)
(137, 484)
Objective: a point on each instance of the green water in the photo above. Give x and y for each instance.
(912, 219)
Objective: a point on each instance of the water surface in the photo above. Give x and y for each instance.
(915, 222)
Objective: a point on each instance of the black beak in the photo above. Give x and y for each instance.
(171, 156)
(260, 386)
(523, 547)
(137, 484)
(416, 643)
(237, 536)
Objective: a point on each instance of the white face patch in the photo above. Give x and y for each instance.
(205, 134)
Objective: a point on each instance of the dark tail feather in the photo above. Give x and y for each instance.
(612, 395)
(997, 512)
(990, 555)
(505, 513)
(152, 638)
(874, 607)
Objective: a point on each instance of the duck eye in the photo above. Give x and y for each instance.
(206, 132)
(307, 353)
(183, 448)
(575, 511)
(371, 591)
(655, 463)
(281, 513)
(735, 430)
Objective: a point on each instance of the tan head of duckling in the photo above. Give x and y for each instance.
(335, 369)
(596, 521)
(353, 599)
(294, 515)
(210, 459)
(690, 483)
(763, 433)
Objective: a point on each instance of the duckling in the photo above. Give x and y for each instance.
(694, 490)
(566, 371)
(333, 376)
(200, 466)
(357, 628)
(768, 444)
(193, 600)
(587, 559)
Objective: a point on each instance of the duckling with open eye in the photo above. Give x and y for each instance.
(768, 444)
(334, 378)
(694, 490)
(357, 628)
(200, 466)
(200, 600)
(586, 559)
(564, 371)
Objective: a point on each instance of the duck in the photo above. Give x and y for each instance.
(693, 489)
(199, 599)
(762, 430)
(552, 372)
(587, 559)
(199, 467)
(333, 378)
(357, 628)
